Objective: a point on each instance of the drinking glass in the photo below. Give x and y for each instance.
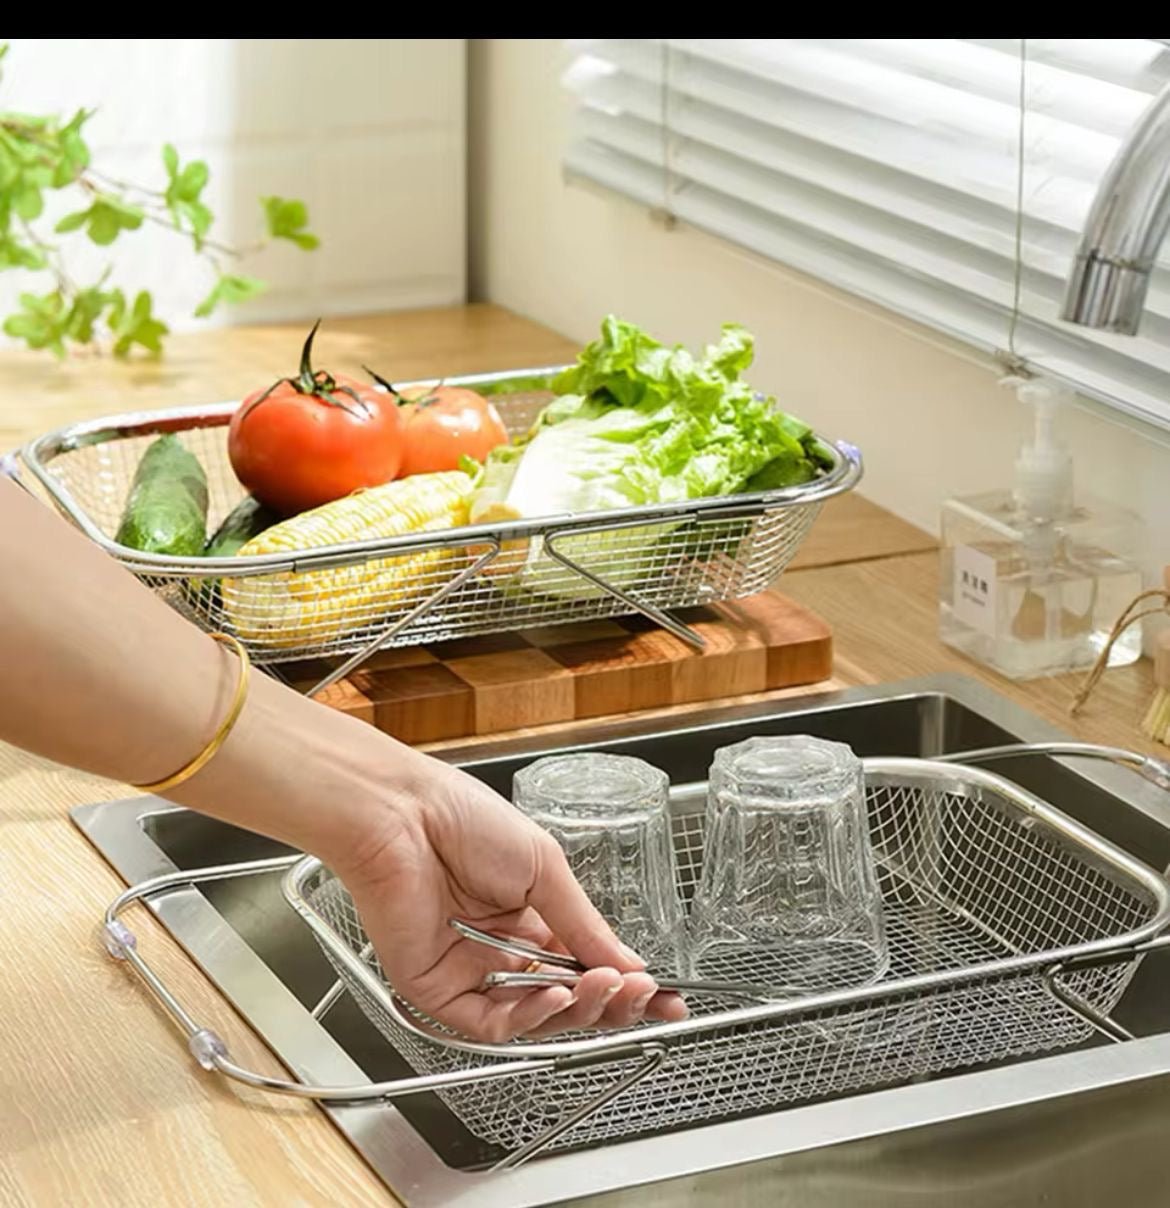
(788, 891)
(610, 815)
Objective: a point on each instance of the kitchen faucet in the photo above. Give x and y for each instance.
(1125, 228)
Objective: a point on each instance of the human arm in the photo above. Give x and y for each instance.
(103, 675)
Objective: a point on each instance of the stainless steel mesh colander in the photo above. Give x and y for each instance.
(986, 890)
(493, 578)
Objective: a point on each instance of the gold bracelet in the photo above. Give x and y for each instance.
(233, 715)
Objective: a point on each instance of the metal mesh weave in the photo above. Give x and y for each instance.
(685, 562)
(967, 879)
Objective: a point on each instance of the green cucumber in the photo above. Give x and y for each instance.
(248, 519)
(166, 512)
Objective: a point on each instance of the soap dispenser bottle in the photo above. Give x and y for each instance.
(1033, 577)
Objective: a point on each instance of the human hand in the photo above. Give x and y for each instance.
(451, 847)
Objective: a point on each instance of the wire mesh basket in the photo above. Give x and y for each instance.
(987, 892)
(458, 582)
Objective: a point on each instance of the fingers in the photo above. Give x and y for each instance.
(640, 998)
(667, 1007)
(607, 999)
(595, 991)
(602, 998)
(629, 1005)
(573, 918)
(496, 1020)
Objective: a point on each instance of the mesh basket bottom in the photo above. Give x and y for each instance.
(719, 1078)
(726, 1075)
(778, 1067)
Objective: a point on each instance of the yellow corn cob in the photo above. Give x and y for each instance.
(314, 607)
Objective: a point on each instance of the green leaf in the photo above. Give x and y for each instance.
(27, 201)
(84, 313)
(103, 226)
(135, 324)
(41, 152)
(72, 222)
(193, 178)
(74, 150)
(286, 219)
(183, 195)
(200, 218)
(39, 175)
(14, 254)
(105, 219)
(9, 167)
(229, 290)
(41, 322)
(117, 301)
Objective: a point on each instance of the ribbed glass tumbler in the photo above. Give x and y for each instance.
(610, 815)
(788, 893)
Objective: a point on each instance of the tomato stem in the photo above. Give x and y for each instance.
(307, 374)
(427, 400)
(382, 382)
(318, 383)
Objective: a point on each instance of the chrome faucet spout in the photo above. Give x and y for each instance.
(1125, 228)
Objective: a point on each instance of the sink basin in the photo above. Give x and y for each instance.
(1078, 1126)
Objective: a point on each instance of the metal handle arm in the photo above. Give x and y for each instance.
(210, 1051)
(1156, 771)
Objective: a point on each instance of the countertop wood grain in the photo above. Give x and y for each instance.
(99, 1102)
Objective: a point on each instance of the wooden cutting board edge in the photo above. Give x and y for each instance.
(500, 682)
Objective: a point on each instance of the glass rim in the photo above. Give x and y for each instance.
(821, 764)
(644, 793)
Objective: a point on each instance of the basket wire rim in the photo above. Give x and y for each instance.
(40, 452)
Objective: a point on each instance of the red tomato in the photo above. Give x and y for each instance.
(314, 438)
(441, 424)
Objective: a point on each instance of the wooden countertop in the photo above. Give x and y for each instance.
(99, 1103)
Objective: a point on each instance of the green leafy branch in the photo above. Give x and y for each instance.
(43, 154)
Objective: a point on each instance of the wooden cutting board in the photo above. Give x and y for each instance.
(484, 685)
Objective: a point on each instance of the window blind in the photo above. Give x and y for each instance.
(903, 170)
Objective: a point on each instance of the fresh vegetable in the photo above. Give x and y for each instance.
(444, 424)
(489, 506)
(313, 438)
(638, 423)
(248, 519)
(166, 512)
(289, 610)
(793, 466)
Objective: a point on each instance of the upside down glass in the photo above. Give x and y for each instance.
(610, 815)
(788, 892)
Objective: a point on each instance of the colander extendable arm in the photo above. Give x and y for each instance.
(1151, 768)
(210, 1051)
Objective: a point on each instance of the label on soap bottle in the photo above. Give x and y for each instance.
(974, 588)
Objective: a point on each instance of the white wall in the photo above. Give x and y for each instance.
(927, 413)
(369, 132)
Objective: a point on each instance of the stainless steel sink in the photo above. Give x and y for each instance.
(1080, 1127)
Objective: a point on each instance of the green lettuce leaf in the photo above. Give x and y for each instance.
(639, 423)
